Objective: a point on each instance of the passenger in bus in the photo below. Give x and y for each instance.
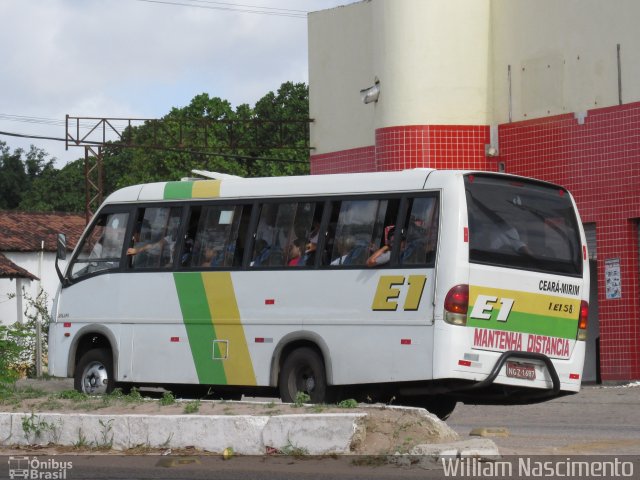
(311, 247)
(383, 254)
(212, 257)
(508, 238)
(489, 231)
(420, 243)
(261, 253)
(350, 252)
(295, 252)
(187, 251)
(152, 249)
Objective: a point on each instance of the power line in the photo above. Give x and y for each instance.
(26, 119)
(212, 154)
(37, 137)
(164, 149)
(39, 120)
(235, 8)
(249, 6)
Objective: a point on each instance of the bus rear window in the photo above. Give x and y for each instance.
(522, 224)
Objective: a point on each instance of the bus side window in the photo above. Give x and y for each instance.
(188, 244)
(101, 248)
(421, 232)
(356, 229)
(305, 234)
(286, 234)
(216, 235)
(154, 237)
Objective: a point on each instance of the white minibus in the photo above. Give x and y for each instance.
(422, 287)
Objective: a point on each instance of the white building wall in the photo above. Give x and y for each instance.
(563, 55)
(431, 58)
(29, 261)
(340, 65)
(446, 62)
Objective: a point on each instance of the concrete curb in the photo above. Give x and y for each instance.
(313, 434)
(432, 456)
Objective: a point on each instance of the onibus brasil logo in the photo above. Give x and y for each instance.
(38, 468)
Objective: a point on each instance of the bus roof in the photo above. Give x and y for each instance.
(308, 185)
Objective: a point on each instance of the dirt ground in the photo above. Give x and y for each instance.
(387, 430)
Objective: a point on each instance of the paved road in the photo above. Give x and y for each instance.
(598, 420)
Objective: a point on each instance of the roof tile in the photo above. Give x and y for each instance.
(25, 231)
(8, 269)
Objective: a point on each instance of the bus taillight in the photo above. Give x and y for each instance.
(456, 304)
(583, 320)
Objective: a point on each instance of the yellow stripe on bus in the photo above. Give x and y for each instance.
(225, 316)
(531, 303)
(206, 189)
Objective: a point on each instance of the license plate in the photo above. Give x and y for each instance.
(525, 371)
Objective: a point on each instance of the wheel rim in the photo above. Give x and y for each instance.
(305, 381)
(310, 384)
(95, 379)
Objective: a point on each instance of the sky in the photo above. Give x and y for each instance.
(140, 58)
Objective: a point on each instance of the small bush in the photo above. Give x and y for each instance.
(192, 407)
(348, 403)
(73, 395)
(133, 397)
(11, 351)
(167, 399)
(301, 399)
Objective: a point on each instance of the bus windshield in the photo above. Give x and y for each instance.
(520, 224)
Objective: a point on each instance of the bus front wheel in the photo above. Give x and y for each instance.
(94, 372)
(303, 371)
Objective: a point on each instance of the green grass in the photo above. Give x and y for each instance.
(73, 395)
(192, 407)
(167, 399)
(348, 403)
(301, 399)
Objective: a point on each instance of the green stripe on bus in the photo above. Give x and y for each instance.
(528, 323)
(177, 190)
(200, 330)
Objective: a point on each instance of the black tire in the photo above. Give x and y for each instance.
(303, 371)
(94, 372)
(440, 406)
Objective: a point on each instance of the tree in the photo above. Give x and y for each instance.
(57, 190)
(289, 103)
(17, 174)
(13, 177)
(246, 141)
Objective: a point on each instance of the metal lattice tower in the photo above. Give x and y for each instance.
(187, 135)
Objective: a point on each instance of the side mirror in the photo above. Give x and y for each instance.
(61, 254)
(61, 247)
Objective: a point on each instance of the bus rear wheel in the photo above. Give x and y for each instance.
(303, 371)
(440, 406)
(94, 372)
